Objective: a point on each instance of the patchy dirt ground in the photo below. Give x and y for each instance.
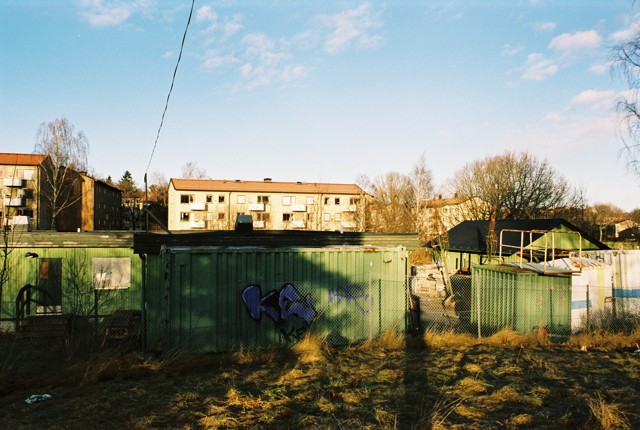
(419, 383)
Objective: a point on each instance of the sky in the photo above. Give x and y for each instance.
(322, 91)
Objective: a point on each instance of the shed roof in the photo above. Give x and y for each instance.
(470, 236)
(264, 186)
(151, 243)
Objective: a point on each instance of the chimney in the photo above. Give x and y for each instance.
(267, 179)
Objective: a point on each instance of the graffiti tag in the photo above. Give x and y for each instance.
(291, 312)
(352, 294)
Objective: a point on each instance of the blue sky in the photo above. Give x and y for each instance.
(322, 91)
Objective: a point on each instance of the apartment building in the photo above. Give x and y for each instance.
(22, 178)
(92, 204)
(208, 204)
(442, 214)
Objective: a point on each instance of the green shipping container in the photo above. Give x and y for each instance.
(230, 298)
(509, 297)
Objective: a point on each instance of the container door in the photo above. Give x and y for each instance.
(50, 280)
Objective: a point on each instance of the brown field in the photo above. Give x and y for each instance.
(433, 381)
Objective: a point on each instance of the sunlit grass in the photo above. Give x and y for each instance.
(608, 415)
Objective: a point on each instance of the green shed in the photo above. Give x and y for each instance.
(89, 274)
(504, 296)
(224, 298)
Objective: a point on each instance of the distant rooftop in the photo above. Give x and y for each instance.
(15, 159)
(265, 186)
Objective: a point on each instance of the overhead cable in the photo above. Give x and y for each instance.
(175, 71)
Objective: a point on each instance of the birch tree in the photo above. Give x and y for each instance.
(68, 153)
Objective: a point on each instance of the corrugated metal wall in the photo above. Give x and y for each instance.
(506, 297)
(222, 299)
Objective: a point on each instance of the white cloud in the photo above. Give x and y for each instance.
(352, 27)
(206, 13)
(509, 51)
(106, 13)
(568, 44)
(600, 68)
(628, 32)
(214, 60)
(594, 98)
(265, 64)
(539, 68)
(546, 26)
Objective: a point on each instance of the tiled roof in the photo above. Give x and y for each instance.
(14, 159)
(433, 203)
(264, 186)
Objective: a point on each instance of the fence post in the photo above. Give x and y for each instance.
(588, 311)
(370, 304)
(478, 308)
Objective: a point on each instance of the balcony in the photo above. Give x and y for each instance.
(14, 182)
(256, 207)
(297, 224)
(196, 224)
(298, 208)
(348, 224)
(258, 224)
(350, 208)
(197, 206)
(14, 201)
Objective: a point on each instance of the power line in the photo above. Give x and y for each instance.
(166, 105)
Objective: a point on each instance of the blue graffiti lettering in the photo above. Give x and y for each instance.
(284, 306)
(352, 294)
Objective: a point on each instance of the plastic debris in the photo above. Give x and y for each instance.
(34, 398)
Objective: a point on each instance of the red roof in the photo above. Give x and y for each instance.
(13, 159)
(264, 186)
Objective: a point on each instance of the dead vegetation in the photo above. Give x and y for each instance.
(435, 381)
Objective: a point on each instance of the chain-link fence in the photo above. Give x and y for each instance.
(525, 302)
(82, 324)
(274, 314)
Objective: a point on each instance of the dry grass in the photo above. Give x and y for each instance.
(608, 415)
(438, 381)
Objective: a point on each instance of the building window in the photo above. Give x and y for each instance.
(110, 273)
(327, 217)
(354, 200)
(288, 200)
(184, 216)
(221, 216)
(263, 199)
(310, 200)
(263, 216)
(336, 217)
(186, 198)
(221, 198)
(241, 199)
(337, 200)
(286, 217)
(327, 201)
(209, 198)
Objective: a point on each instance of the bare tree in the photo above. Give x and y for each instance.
(393, 206)
(513, 186)
(193, 171)
(625, 62)
(67, 154)
(421, 181)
